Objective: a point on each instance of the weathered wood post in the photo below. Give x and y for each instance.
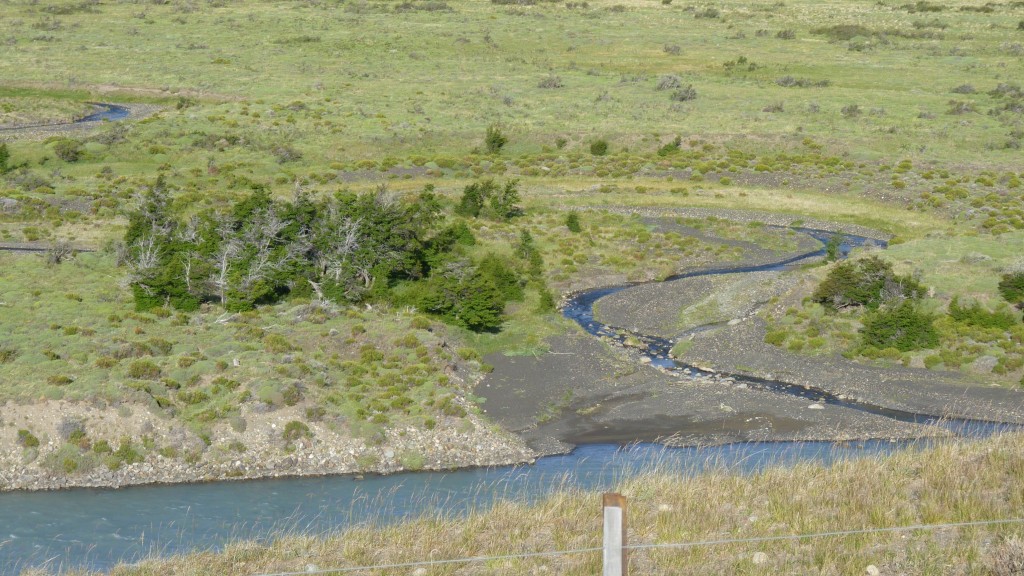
(615, 561)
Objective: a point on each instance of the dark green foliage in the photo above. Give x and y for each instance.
(832, 247)
(27, 439)
(572, 222)
(494, 140)
(488, 199)
(976, 315)
(127, 453)
(868, 282)
(1011, 286)
(527, 251)
(68, 150)
(463, 295)
(599, 147)
(296, 430)
(345, 248)
(670, 148)
(903, 327)
(503, 275)
(5, 158)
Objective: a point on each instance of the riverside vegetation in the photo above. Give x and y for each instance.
(315, 244)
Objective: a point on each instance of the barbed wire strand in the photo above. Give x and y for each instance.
(751, 540)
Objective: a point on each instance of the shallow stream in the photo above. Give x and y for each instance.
(99, 527)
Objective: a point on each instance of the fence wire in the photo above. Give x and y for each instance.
(675, 545)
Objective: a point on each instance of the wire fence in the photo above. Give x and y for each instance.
(672, 545)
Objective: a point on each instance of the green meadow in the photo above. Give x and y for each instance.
(906, 118)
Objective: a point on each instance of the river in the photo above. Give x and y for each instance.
(96, 528)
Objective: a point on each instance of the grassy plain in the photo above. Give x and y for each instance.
(906, 118)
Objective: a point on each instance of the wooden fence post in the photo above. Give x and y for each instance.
(615, 554)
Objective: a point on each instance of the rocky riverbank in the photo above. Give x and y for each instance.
(597, 390)
(162, 451)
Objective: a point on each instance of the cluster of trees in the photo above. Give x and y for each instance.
(894, 319)
(345, 248)
(894, 316)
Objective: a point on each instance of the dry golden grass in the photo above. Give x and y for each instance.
(950, 483)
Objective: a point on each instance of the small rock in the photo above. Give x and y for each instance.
(735, 321)
(872, 570)
(759, 558)
(419, 572)
(312, 568)
(815, 406)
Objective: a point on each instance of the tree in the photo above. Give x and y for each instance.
(488, 199)
(903, 327)
(5, 157)
(832, 248)
(866, 282)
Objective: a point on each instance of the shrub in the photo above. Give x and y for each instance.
(668, 82)
(670, 148)
(685, 94)
(572, 222)
(550, 82)
(599, 147)
(143, 370)
(957, 107)
(494, 139)
(1011, 286)
(27, 439)
(867, 282)
(296, 430)
(68, 150)
(851, 111)
(903, 327)
(976, 315)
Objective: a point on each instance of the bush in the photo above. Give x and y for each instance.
(867, 282)
(685, 94)
(669, 82)
(1011, 286)
(296, 430)
(550, 82)
(494, 140)
(572, 222)
(143, 370)
(599, 147)
(902, 327)
(68, 150)
(489, 199)
(976, 315)
(27, 439)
